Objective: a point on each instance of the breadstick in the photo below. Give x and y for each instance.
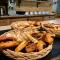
(31, 38)
(8, 44)
(19, 38)
(48, 29)
(21, 46)
(49, 25)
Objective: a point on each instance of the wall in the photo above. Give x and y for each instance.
(32, 6)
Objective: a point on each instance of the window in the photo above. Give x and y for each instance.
(11, 1)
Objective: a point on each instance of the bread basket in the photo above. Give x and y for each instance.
(28, 56)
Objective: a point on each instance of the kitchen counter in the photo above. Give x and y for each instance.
(23, 16)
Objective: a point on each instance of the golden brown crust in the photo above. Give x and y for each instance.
(41, 45)
(52, 26)
(4, 38)
(8, 44)
(31, 47)
(47, 38)
(21, 46)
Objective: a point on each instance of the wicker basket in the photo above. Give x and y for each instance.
(28, 56)
(57, 33)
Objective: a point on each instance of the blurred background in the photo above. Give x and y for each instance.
(7, 7)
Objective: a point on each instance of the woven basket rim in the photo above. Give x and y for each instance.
(35, 52)
(42, 52)
(28, 56)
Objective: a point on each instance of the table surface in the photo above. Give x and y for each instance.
(53, 55)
